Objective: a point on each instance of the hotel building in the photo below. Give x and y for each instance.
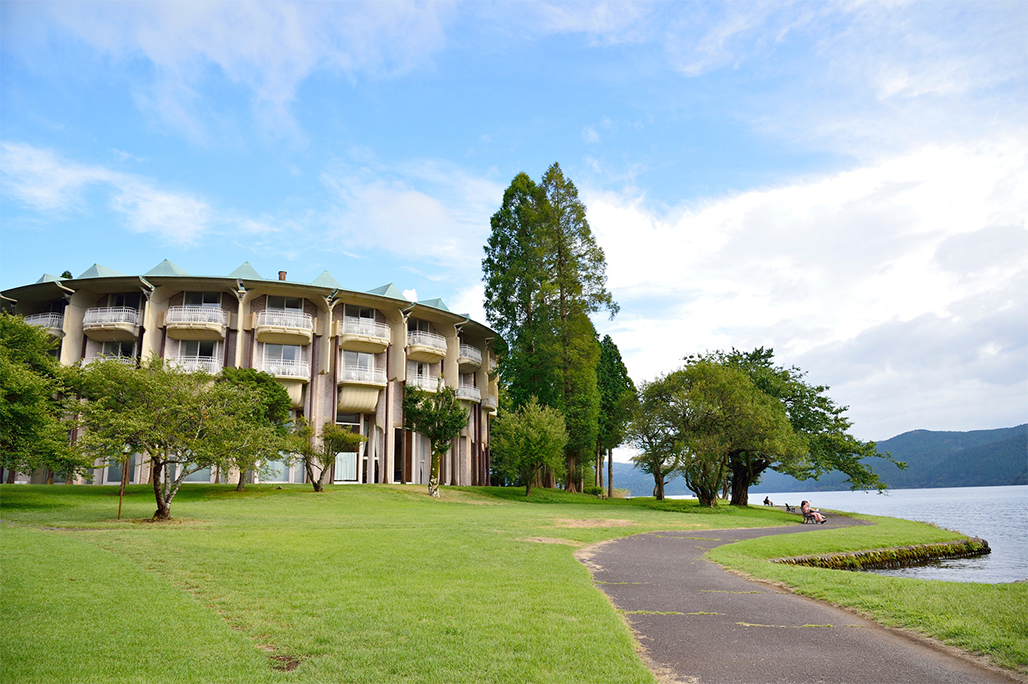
(343, 355)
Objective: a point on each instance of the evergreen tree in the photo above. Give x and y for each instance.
(544, 276)
(617, 402)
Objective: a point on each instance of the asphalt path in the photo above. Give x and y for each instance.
(700, 624)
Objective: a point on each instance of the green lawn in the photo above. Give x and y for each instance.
(357, 584)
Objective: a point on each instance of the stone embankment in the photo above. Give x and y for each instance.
(883, 559)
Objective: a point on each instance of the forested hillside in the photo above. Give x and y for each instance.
(935, 459)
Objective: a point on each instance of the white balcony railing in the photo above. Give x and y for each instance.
(286, 369)
(469, 352)
(111, 315)
(370, 376)
(285, 319)
(489, 402)
(192, 364)
(196, 314)
(365, 326)
(427, 339)
(46, 320)
(469, 392)
(126, 360)
(425, 382)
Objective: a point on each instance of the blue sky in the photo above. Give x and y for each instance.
(845, 182)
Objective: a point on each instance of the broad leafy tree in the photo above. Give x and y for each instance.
(33, 434)
(264, 422)
(617, 403)
(527, 440)
(714, 413)
(812, 414)
(438, 416)
(318, 452)
(653, 430)
(179, 421)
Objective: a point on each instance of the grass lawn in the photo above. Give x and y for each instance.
(357, 584)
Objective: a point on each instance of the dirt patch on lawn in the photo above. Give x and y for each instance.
(573, 524)
(549, 540)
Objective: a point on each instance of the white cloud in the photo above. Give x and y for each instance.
(421, 209)
(47, 182)
(268, 48)
(589, 135)
(411, 295)
(847, 276)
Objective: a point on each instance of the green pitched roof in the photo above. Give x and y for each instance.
(245, 271)
(98, 271)
(326, 280)
(388, 291)
(47, 278)
(166, 268)
(434, 303)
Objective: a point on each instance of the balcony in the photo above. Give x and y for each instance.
(489, 404)
(196, 323)
(111, 324)
(429, 383)
(363, 376)
(276, 326)
(193, 364)
(363, 335)
(469, 393)
(124, 360)
(52, 322)
(425, 346)
(287, 370)
(469, 358)
(359, 389)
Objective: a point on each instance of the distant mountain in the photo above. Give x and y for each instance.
(934, 459)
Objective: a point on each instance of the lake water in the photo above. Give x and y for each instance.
(998, 515)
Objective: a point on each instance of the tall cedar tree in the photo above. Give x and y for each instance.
(438, 416)
(617, 403)
(544, 275)
(813, 415)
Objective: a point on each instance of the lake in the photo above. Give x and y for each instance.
(998, 515)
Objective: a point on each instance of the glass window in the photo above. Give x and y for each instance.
(352, 311)
(197, 348)
(282, 352)
(285, 303)
(209, 299)
(361, 360)
(129, 299)
(119, 349)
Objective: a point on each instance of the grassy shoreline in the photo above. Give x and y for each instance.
(358, 584)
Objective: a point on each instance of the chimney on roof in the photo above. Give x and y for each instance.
(281, 275)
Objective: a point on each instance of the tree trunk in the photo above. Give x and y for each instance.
(242, 480)
(163, 511)
(599, 467)
(433, 477)
(743, 475)
(610, 473)
(658, 486)
(572, 474)
(528, 489)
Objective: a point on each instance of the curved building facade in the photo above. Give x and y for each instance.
(343, 355)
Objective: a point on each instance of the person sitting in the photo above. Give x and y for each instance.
(809, 512)
(767, 501)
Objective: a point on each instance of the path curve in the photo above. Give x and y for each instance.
(700, 624)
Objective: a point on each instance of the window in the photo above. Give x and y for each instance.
(420, 325)
(285, 303)
(127, 299)
(282, 352)
(351, 311)
(359, 360)
(193, 349)
(125, 350)
(207, 299)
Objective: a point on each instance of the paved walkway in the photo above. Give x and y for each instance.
(701, 624)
